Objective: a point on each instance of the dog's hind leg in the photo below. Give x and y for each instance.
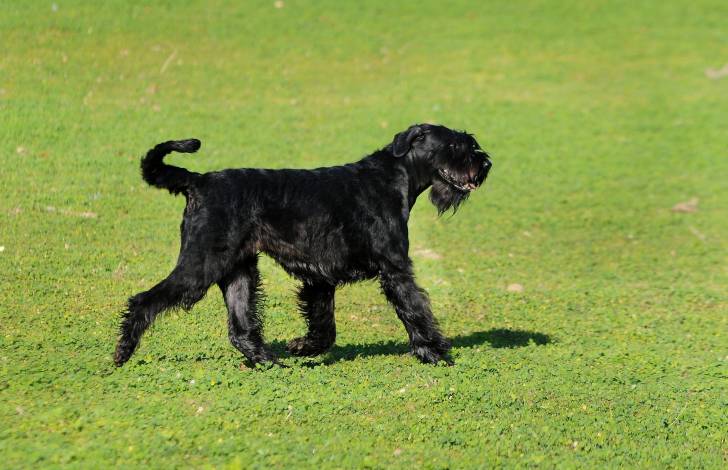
(183, 287)
(241, 291)
(317, 306)
(413, 309)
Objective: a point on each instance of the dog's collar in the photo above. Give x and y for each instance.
(445, 175)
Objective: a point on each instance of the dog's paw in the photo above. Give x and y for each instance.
(123, 352)
(261, 360)
(267, 365)
(432, 355)
(305, 346)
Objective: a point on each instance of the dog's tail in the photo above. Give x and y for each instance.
(159, 174)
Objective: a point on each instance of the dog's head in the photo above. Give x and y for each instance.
(454, 162)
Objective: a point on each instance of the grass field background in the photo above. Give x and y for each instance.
(601, 116)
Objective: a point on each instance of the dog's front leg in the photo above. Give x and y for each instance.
(413, 309)
(317, 307)
(241, 291)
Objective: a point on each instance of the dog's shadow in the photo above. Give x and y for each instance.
(495, 338)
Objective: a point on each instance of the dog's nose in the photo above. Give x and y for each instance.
(487, 165)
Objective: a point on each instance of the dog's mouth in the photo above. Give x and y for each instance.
(450, 179)
(468, 185)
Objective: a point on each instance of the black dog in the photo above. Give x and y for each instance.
(326, 227)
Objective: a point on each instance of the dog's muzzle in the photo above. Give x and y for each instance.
(466, 186)
(487, 165)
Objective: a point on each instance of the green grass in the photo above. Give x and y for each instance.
(600, 118)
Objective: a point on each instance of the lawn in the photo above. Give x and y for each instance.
(589, 318)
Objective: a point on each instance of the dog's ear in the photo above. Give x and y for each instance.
(402, 142)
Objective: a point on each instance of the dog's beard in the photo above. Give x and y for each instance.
(445, 197)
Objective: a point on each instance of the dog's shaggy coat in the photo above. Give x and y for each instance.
(326, 227)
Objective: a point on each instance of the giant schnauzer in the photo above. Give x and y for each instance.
(326, 227)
